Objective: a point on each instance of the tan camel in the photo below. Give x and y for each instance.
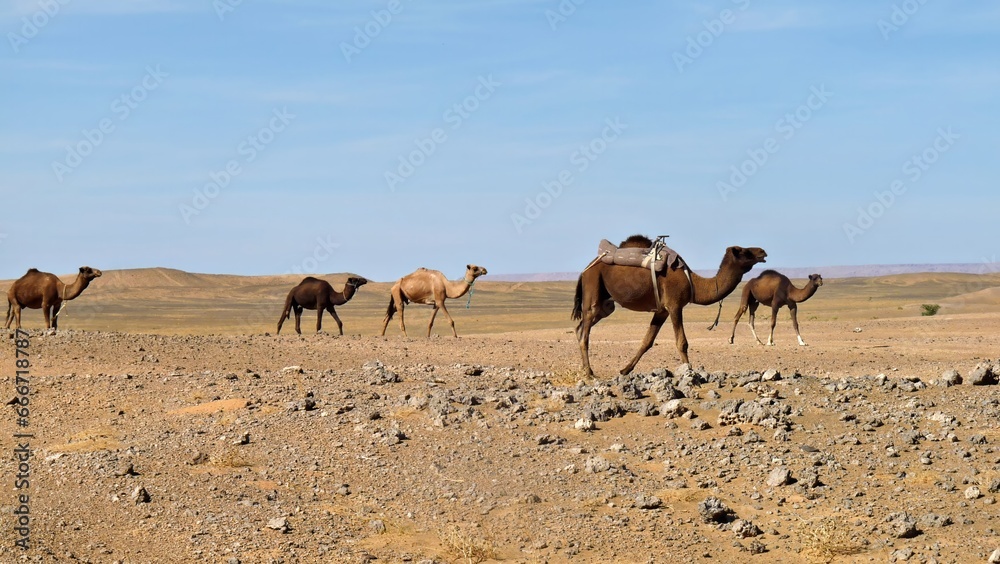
(602, 285)
(41, 290)
(776, 290)
(313, 293)
(429, 287)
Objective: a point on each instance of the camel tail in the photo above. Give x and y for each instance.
(288, 307)
(578, 299)
(389, 311)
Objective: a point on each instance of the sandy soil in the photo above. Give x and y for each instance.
(491, 447)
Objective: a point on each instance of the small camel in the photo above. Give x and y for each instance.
(313, 293)
(45, 291)
(600, 286)
(429, 287)
(774, 289)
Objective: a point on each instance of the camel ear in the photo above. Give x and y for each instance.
(83, 269)
(468, 267)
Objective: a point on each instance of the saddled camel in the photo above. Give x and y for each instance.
(429, 287)
(602, 285)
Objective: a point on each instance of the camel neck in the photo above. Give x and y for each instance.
(73, 290)
(799, 295)
(708, 291)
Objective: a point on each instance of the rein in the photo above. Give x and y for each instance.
(62, 304)
(718, 316)
(472, 290)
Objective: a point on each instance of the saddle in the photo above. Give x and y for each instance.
(660, 255)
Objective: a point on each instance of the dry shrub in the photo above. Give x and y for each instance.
(465, 546)
(825, 539)
(232, 458)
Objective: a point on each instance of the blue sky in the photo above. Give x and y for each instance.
(376, 137)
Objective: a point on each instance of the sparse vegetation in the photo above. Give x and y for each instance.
(466, 547)
(827, 539)
(929, 309)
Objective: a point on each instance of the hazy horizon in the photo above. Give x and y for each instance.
(376, 137)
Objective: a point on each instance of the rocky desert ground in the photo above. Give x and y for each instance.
(170, 424)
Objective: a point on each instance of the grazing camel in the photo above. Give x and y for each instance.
(45, 291)
(313, 293)
(429, 287)
(776, 290)
(602, 285)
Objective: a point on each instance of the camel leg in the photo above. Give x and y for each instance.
(55, 316)
(430, 324)
(795, 322)
(647, 341)
(319, 318)
(450, 320)
(583, 334)
(753, 317)
(677, 318)
(402, 325)
(739, 314)
(46, 310)
(298, 318)
(10, 315)
(340, 324)
(774, 321)
(17, 316)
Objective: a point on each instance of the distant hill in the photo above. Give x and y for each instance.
(861, 271)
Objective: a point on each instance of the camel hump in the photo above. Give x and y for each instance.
(32, 270)
(770, 272)
(636, 242)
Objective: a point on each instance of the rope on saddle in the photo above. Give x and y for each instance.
(595, 261)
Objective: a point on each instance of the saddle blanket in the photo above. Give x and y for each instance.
(633, 256)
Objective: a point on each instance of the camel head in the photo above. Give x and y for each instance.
(816, 279)
(746, 258)
(472, 272)
(90, 273)
(356, 281)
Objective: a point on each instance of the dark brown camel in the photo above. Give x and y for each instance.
(429, 287)
(313, 293)
(41, 290)
(602, 285)
(774, 289)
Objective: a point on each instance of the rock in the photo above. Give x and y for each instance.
(809, 478)
(780, 476)
(376, 374)
(713, 510)
(140, 495)
(597, 464)
(973, 493)
(901, 555)
(648, 502)
(377, 526)
(934, 521)
(125, 469)
(950, 378)
(902, 526)
(995, 557)
(278, 524)
(292, 370)
(757, 547)
(983, 375)
(745, 529)
(243, 439)
(584, 424)
(771, 375)
(995, 486)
